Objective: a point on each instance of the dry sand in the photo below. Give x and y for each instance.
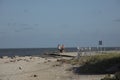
(38, 68)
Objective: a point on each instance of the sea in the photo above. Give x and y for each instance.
(31, 51)
(40, 51)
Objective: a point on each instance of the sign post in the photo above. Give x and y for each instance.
(100, 45)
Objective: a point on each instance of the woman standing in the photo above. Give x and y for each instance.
(62, 48)
(59, 48)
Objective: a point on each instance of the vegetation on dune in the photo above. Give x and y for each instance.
(115, 77)
(106, 63)
(97, 64)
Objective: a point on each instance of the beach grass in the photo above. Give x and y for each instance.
(96, 64)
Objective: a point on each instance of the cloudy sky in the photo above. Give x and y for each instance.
(46, 23)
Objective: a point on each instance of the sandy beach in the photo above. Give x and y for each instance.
(39, 68)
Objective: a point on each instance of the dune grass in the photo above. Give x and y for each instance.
(97, 64)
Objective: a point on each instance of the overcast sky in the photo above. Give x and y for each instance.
(46, 23)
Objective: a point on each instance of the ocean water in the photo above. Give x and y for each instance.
(30, 51)
(40, 51)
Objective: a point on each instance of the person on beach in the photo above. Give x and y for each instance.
(59, 48)
(78, 52)
(62, 48)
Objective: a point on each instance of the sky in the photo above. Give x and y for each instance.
(47, 23)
